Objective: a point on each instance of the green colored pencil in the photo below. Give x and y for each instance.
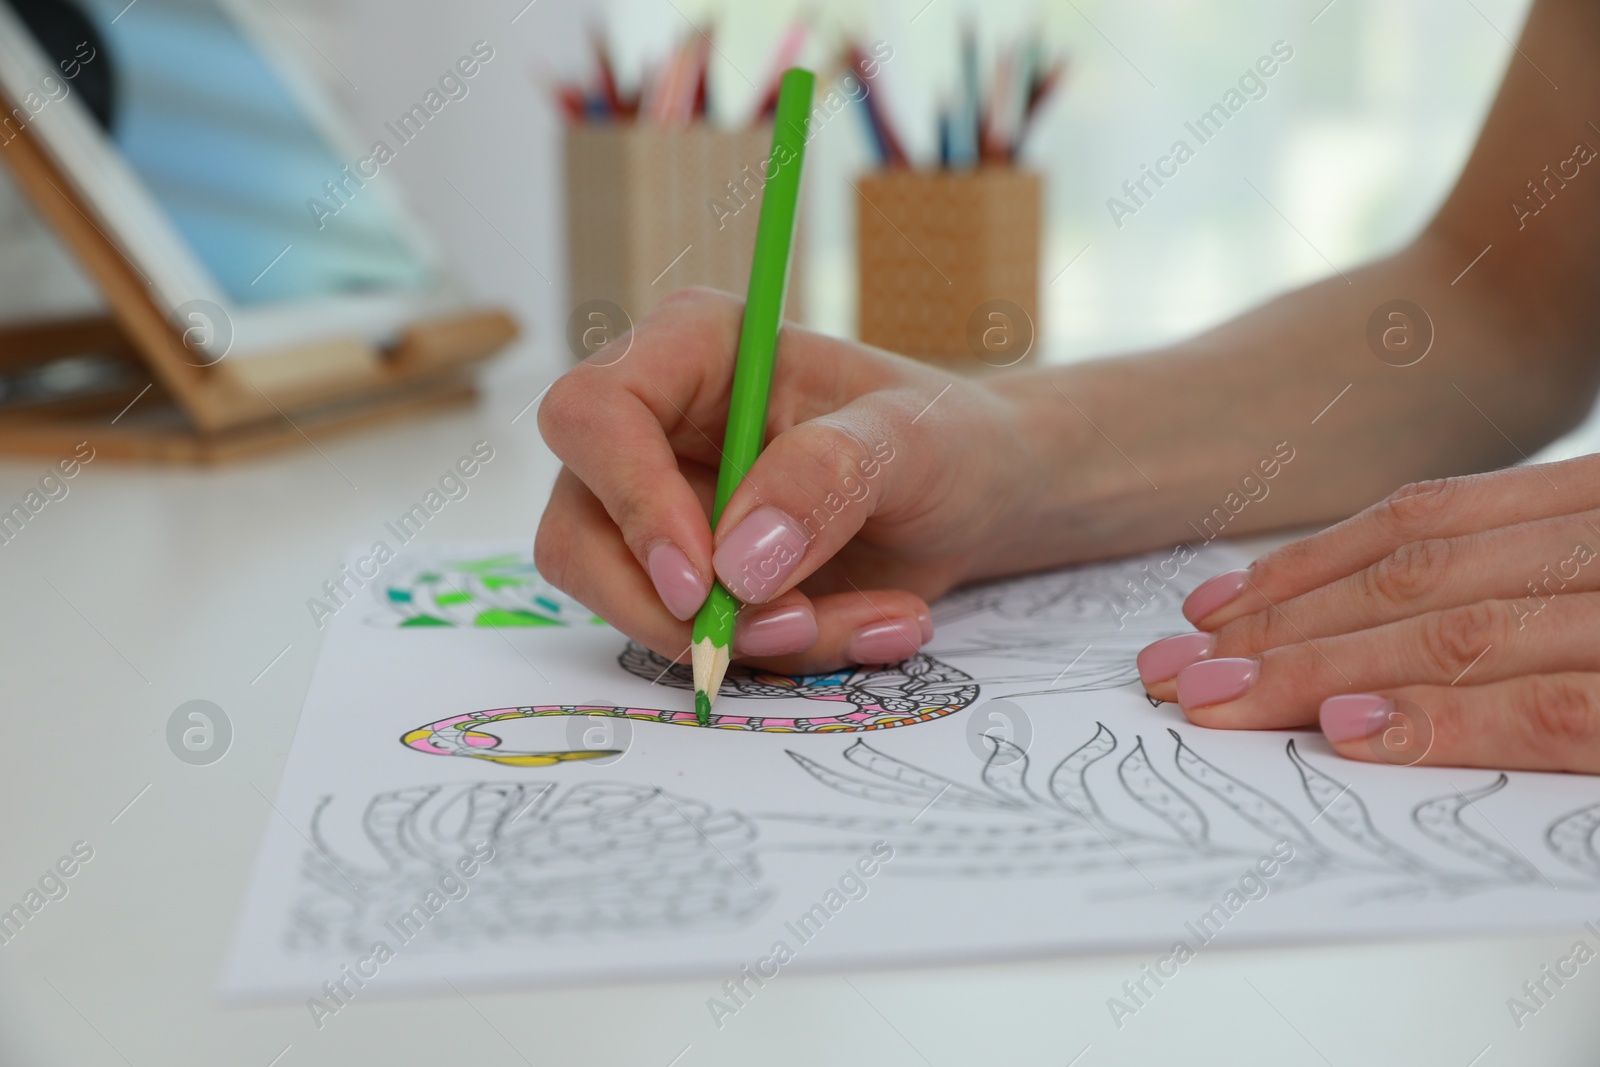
(752, 371)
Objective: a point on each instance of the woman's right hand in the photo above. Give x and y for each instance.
(884, 482)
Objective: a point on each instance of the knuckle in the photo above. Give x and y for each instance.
(1252, 633)
(551, 555)
(1279, 572)
(696, 320)
(1560, 711)
(1453, 639)
(635, 511)
(835, 455)
(1410, 572)
(698, 295)
(697, 308)
(1279, 559)
(1411, 511)
(563, 410)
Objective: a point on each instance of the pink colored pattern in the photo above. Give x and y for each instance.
(874, 698)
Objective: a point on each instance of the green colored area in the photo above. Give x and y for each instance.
(496, 563)
(503, 617)
(507, 573)
(595, 620)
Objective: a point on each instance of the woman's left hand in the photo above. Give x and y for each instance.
(1456, 623)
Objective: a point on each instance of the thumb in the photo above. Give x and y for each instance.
(806, 496)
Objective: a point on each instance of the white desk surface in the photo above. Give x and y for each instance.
(143, 589)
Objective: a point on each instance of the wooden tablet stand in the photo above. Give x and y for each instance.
(196, 413)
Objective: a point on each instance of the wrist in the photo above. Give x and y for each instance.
(1054, 472)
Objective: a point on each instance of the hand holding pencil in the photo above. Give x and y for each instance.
(841, 517)
(847, 517)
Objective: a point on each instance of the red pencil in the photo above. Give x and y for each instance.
(698, 108)
(608, 79)
(1043, 86)
(894, 154)
(570, 97)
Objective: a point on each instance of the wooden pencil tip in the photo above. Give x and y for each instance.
(710, 666)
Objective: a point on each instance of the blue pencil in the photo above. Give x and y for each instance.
(964, 140)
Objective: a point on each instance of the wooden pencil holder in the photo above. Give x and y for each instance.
(948, 264)
(652, 210)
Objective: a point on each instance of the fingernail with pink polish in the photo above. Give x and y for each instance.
(1213, 593)
(760, 554)
(884, 642)
(1163, 659)
(925, 624)
(680, 588)
(1215, 681)
(776, 631)
(1354, 716)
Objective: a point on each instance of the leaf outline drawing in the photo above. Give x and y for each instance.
(1016, 830)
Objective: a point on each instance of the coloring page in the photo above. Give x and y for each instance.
(491, 785)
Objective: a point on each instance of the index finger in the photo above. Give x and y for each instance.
(1447, 507)
(622, 427)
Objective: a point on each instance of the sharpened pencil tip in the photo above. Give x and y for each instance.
(710, 665)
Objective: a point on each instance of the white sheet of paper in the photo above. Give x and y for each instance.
(1010, 792)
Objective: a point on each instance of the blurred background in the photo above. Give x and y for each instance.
(1352, 147)
(1356, 142)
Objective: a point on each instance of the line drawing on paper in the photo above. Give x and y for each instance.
(1168, 825)
(1050, 633)
(1093, 619)
(595, 859)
